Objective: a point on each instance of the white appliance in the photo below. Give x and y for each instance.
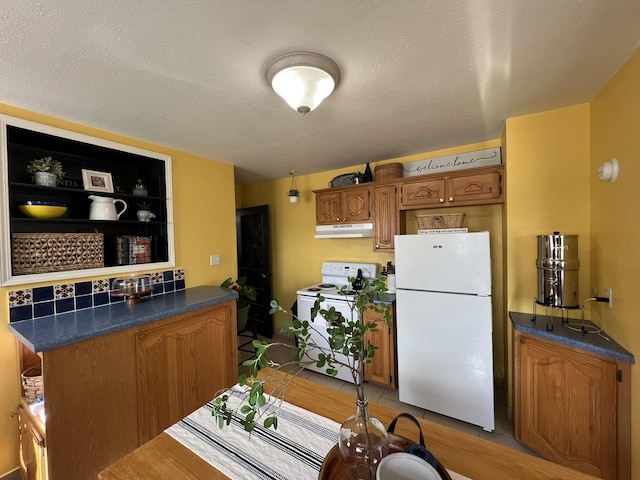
(444, 325)
(334, 276)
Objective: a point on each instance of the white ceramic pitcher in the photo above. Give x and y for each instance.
(104, 208)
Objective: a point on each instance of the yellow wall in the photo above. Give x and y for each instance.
(204, 213)
(547, 161)
(297, 256)
(615, 252)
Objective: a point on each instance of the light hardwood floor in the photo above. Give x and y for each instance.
(503, 434)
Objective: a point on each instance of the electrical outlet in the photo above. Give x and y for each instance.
(214, 260)
(609, 294)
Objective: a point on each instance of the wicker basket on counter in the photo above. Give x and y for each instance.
(440, 220)
(32, 383)
(56, 252)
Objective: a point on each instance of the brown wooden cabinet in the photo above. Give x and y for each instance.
(181, 366)
(382, 369)
(469, 187)
(33, 457)
(343, 205)
(108, 395)
(386, 220)
(568, 406)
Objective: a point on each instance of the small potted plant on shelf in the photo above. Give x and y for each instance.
(293, 195)
(363, 439)
(46, 171)
(144, 212)
(247, 293)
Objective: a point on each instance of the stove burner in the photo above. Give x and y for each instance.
(326, 285)
(349, 292)
(313, 289)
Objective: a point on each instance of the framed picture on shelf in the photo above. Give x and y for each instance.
(97, 181)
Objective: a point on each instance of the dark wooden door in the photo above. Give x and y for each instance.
(254, 262)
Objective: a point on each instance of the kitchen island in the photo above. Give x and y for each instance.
(116, 376)
(476, 458)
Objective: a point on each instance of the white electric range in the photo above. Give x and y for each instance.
(334, 276)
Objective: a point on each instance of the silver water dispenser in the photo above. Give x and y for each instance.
(558, 267)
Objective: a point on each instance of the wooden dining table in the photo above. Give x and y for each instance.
(165, 458)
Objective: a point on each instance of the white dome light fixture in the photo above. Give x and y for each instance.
(303, 79)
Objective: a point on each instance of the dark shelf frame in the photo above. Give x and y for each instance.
(22, 141)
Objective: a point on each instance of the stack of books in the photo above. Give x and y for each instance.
(132, 250)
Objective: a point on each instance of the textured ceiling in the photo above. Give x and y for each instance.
(417, 75)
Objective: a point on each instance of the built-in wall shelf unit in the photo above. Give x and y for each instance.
(77, 225)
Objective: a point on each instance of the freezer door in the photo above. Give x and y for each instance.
(445, 357)
(448, 262)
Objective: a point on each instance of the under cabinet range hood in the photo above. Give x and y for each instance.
(345, 230)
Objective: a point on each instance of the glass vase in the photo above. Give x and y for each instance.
(363, 442)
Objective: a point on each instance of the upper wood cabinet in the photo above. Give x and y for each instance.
(386, 220)
(468, 187)
(343, 205)
(568, 406)
(120, 165)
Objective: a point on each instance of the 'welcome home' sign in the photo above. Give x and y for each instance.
(460, 161)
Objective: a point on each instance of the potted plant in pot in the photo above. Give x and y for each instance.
(293, 195)
(362, 439)
(46, 171)
(144, 213)
(247, 293)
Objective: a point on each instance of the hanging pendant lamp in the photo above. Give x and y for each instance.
(303, 79)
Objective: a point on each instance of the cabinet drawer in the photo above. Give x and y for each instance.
(423, 193)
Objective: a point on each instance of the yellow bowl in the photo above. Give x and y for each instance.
(42, 211)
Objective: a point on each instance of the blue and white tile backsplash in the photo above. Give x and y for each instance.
(31, 303)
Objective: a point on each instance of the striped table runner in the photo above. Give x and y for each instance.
(294, 451)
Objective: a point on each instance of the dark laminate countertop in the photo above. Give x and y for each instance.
(47, 333)
(591, 342)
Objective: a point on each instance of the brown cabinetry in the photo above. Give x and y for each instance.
(568, 405)
(33, 457)
(382, 369)
(343, 205)
(470, 187)
(108, 395)
(181, 366)
(386, 220)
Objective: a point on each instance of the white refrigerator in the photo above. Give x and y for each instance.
(444, 325)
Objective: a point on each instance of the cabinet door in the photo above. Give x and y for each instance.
(385, 216)
(355, 205)
(182, 365)
(33, 463)
(474, 188)
(381, 369)
(566, 406)
(328, 208)
(423, 193)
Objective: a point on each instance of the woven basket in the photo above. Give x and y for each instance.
(441, 220)
(56, 252)
(388, 171)
(32, 383)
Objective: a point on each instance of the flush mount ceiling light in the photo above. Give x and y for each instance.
(303, 79)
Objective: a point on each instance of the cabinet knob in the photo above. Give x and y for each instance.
(377, 246)
(451, 199)
(337, 219)
(442, 200)
(344, 219)
(142, 336)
